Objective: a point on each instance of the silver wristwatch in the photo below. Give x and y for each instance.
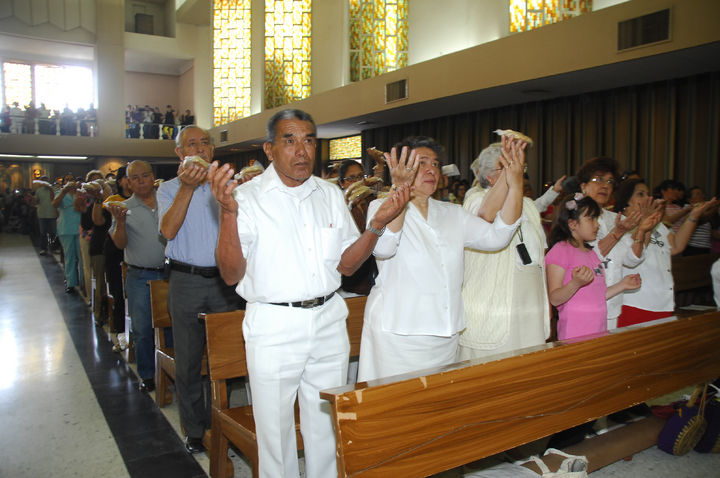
(377, 232)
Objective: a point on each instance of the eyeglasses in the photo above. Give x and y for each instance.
(654, 239)
(609, 182)
(355, 178)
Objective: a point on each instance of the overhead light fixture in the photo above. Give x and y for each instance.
(29, 156)
(61, 157)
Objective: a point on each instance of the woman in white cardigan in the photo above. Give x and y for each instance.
(504, 291)
(415, 312)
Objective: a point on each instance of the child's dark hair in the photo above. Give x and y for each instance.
(561, 230)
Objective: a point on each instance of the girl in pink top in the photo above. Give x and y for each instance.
(575, 275)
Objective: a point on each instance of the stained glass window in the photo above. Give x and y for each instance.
(346, 148)
(378, 37)
(231, 60)
(530, 14)
(288, 30)
(17, 83)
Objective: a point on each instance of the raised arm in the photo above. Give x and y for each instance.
(679, 240)
(119, 234)
(228, 251)
(190, 178)
(353, 257)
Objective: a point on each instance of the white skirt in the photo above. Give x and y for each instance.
(383, 353)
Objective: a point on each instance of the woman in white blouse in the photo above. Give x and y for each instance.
(414, 312)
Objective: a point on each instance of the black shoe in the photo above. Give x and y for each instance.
(42, 253)
(147, 385)
(70, 290)
(194, 445)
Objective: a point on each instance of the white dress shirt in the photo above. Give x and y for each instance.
(292, 238)
(420, 268)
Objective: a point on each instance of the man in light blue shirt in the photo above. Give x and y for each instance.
(189, 222)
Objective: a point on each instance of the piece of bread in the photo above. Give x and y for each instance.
(195, 160)
(515, 135)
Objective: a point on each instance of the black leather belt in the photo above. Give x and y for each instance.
(154, 269)
(207, 272)
(306, 304)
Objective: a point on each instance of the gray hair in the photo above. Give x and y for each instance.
(289, 114)
(486, 162)
(178, 138)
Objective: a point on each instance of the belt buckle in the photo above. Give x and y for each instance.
(309, 304)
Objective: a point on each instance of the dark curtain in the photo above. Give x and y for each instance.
(667, 129)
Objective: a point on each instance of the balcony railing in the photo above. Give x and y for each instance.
(52, 126)
(151, 130)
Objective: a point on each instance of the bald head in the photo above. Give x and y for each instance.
(141, 178)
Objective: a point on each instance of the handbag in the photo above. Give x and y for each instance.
(573, 466)
(685, 428)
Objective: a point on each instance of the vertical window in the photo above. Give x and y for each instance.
(57, 86)
(231, 60)
(378, 37)
(288, 30)
(17, 83)
(527, 15)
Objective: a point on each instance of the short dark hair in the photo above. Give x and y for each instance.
(343, 168)
(271, 129)
(414, 142)
(625, 192)
(593, 166)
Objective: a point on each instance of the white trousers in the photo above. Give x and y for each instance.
(294, 352)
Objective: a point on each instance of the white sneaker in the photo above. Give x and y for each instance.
(121, 344)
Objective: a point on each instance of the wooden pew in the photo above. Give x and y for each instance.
(424, 423)
(164, 355)
(691, 275)
(226, 359)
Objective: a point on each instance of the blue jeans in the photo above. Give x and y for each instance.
(138, 294)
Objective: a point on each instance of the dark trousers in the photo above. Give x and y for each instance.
(113, 274)
(48, 228)
(188, 296)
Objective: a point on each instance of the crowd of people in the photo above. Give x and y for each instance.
(149, 122)
(287, 246)
(29, 119)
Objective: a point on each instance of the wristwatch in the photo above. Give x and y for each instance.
(377, 232)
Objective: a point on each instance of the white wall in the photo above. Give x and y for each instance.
(154, 90)
(438, 29)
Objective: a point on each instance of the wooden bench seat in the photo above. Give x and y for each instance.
(426, 422)
(226, 359)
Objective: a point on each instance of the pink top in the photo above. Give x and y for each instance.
(586, 311)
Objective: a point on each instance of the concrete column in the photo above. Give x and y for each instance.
(110, 68)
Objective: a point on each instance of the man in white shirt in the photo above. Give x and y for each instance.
(285, 237)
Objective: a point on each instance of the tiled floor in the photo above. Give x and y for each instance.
(69, 406)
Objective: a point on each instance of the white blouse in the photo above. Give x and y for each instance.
(657, 293)
(420, 268)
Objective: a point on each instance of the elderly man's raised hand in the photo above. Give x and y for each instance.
(393, 205)
(222, 185)
(192, 175)
(404, 168)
